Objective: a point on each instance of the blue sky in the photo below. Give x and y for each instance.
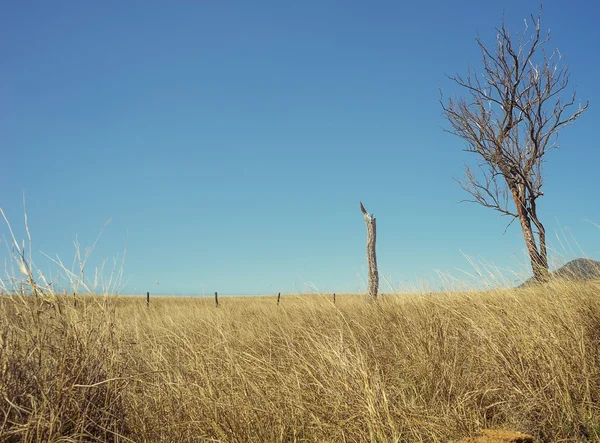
(230, 143)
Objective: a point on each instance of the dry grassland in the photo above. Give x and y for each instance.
(420, 367)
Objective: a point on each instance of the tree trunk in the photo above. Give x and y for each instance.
(539, 264)
(371, 257)
(543, 254)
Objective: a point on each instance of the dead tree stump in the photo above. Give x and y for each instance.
(371, 256)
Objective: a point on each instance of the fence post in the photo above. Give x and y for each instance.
(278, 298)
(216, 300)
(334, 298)
(147, 299)
(371, 257)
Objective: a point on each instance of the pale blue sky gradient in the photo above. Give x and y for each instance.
(231, 142)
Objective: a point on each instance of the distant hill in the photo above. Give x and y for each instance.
(579, 269)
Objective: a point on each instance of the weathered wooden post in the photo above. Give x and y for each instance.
(371, 257)
(216, 300)
(278, 298)
(147, 299)
(334, 298)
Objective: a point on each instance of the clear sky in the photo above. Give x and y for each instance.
(231, 142)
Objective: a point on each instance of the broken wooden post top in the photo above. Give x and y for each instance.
(368, 217)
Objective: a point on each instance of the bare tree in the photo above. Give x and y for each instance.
(370, 221)
(510, 116)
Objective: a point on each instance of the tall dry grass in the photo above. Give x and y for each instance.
(428, 367)
(411, 367)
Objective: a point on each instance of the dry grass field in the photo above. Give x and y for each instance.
(411, 367)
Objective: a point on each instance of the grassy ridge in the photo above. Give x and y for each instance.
(409, 368)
